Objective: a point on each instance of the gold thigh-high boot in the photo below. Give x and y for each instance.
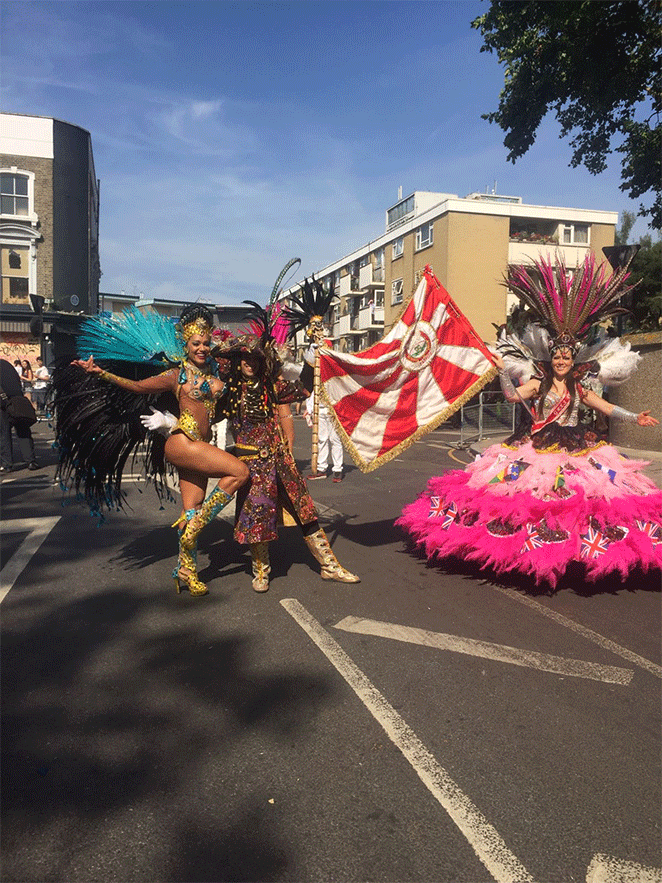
(261, 566)
(331, 568)
(186, 570)
(218, 499)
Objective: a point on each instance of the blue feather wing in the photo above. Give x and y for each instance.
(132, 336)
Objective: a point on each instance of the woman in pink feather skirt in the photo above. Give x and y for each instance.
(552, 493)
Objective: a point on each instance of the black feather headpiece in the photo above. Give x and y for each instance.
(313, 303)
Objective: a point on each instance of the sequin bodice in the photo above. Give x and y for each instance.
(569, 417)
(198, 392)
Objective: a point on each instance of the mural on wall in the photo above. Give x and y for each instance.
(19, 346)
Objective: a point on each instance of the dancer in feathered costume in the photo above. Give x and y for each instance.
(96, 433)
(260, 417)
(553, 492)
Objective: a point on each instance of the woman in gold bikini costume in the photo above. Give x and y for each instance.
(188, 448)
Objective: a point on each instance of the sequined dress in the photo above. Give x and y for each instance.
(540, 501)
(275, 483)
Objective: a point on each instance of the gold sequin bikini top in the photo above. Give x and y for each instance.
(200, 390)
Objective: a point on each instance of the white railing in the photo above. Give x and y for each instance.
(371, 317)
(344, 286)
(527, 252)
(341, 327)
(365, 276)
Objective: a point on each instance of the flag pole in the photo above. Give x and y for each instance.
(316, 412)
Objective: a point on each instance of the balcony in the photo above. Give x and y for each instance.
(348, 285)
(371, 317)
(341, 327)
(527, 252)
(369, 276)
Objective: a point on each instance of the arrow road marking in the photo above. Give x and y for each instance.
(485, 840)
(500, 652)
(37, 529)
(605, 869)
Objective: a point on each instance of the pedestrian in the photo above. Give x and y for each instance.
(42, 379)
(329, 443)
(17, 414)
(27, 379)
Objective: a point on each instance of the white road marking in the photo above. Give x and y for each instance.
(576, 668)
(29, 479)
(606, 869)
(485, 840)
(646, 664)
(38, 528)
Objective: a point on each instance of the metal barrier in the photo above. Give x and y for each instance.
(491, 416)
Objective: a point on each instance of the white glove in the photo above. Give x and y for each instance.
(309, 355)
(159, 421)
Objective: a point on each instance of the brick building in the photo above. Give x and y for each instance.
(49, 232)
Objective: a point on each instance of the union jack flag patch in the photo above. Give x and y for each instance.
(533, 539)
(652, 530)
(451, 515)
(437, 507)
(594, 543)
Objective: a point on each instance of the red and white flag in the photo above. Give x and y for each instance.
(388, 396)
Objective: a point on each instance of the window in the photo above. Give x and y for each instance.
(575, 234)
(400, 212)
(396, 291)
(15, 262)
(398, 247)
(379, 297)
(14, 198)
(424, 236)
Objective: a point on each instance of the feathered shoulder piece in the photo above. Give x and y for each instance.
(132, 336)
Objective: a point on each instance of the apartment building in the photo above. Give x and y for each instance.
(230, 316)
(469, 243)
(49, 230)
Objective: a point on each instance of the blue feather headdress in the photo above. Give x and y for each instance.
(131, 337)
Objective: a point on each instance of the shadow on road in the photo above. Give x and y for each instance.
(574, 579)
(110, 704)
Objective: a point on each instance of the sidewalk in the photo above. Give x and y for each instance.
(653, 470)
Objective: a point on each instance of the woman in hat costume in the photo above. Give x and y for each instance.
(554, 492)
(258, 405)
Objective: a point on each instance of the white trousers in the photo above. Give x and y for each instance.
(329, 442)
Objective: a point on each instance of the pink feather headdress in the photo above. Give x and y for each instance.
(567, 304)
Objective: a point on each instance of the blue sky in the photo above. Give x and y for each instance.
(230, 137)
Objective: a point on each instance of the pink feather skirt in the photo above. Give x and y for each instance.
(518, 509)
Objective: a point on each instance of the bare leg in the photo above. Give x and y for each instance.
(196, 462)
(207, 461)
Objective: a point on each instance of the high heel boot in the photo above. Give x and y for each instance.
(331, 568)
(186, 571)
(217, 500)
(261, 566)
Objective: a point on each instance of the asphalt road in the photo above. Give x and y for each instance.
(420, 726)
